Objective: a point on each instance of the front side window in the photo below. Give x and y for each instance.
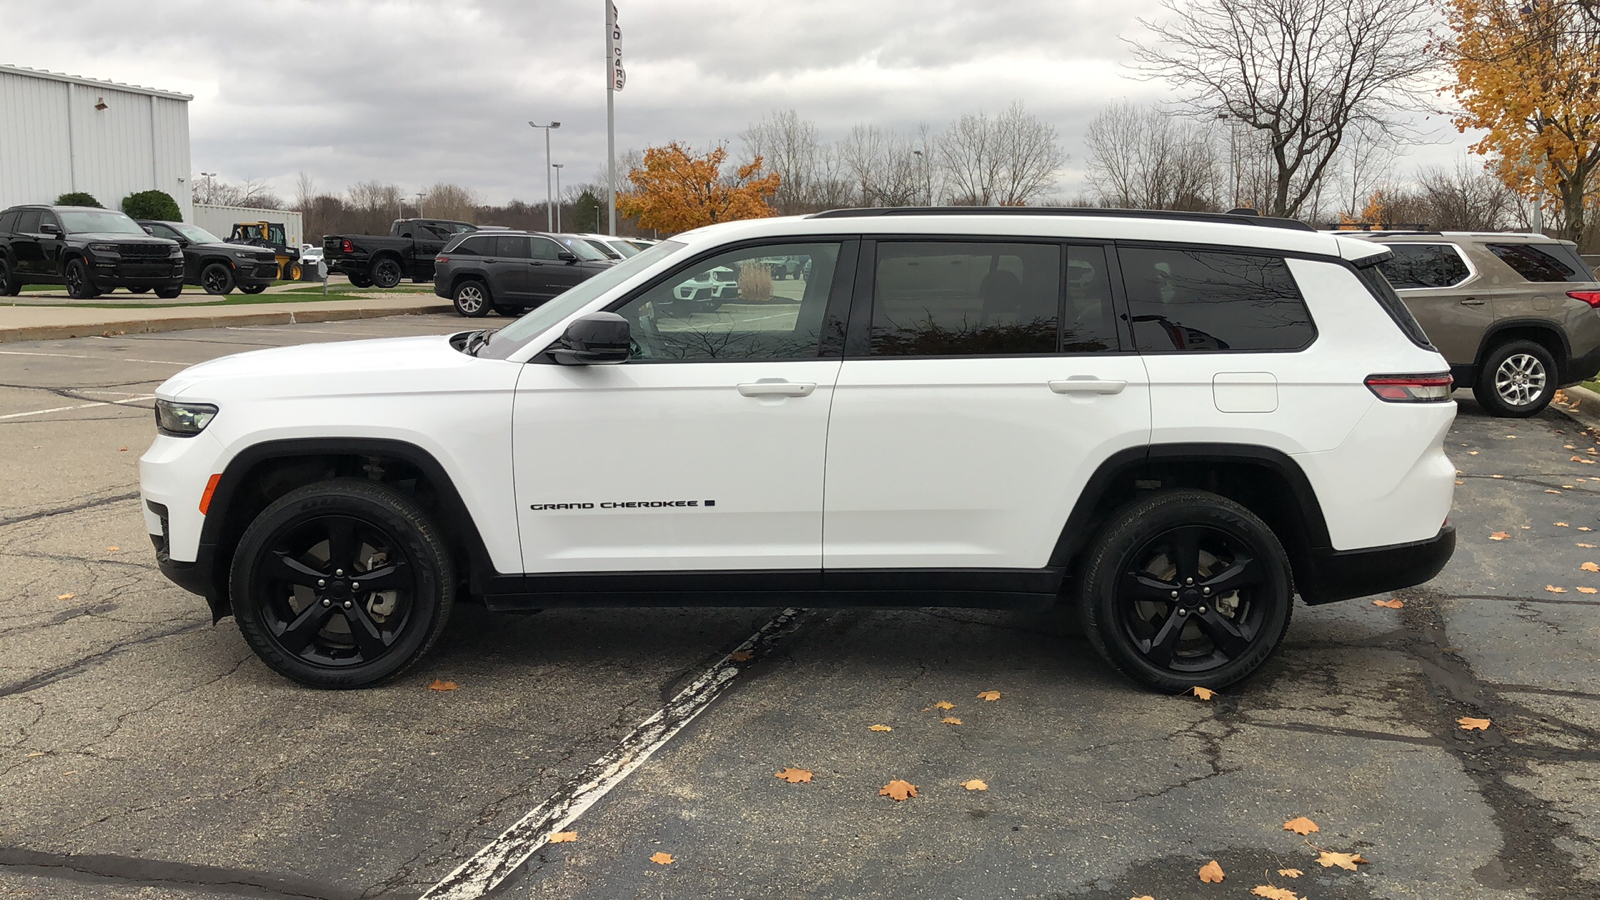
(732, 307)
(1424, 266)
(546, 249)
(1534, 264)
(1203, 300)
(196, 234)
(950, 298)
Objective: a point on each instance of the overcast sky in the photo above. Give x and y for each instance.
(418, 92)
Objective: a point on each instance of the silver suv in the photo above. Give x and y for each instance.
(1516, 315)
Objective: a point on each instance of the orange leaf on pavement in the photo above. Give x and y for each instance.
(1391, 603)
(880, 728)
(65, 596)
(1203, 693)
(1468, 723)
(950, 720)
(1300, 825)
(1329, 859)
(741, 656)
(563, 837)
(1590, 567)
(661, 859)
(439, 685)
(1272, 892)
(944, 704)
(1555, 590)
(898, 790)
(1499, 536)
(794, 776)
(1559, 524)
(1211, 873)
(1588, 590)
(975, 784)
(1290, 873)
(989, 696)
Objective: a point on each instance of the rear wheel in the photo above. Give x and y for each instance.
(471, 299)
(1186, 589)
(360, 281)
(342, 584)
(291, 272)
(10, 283)
(79, 286)
(385, 273)
(1517, 380)
(217, 278)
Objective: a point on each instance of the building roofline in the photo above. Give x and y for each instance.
(93, 82)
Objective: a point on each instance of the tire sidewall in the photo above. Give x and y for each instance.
(380, 506)
(10, 284)
(85, 289)
(484, 304)
(1489, 398)
(227, 279)
(1138, 523)
(382, 270)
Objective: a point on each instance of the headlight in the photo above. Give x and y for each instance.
(183, 419)
(103, 248)
(244, 255)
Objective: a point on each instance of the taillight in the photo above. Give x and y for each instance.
(347, 247)
(441, 259)
(1590, 297)
(1411, 388)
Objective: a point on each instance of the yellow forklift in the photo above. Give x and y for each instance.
(275, 237)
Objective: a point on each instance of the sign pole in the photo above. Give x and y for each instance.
(613, 54)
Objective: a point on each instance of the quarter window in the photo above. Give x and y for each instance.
(28, 222)
(1207, 301)
(938, 298)
(8, 221)
(476, 246)
(1534, 264)
(1424, 266)
(733, 307)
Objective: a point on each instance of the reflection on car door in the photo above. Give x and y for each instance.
(1444, 294)
(552, 275)
(25, 244)
(509, 279)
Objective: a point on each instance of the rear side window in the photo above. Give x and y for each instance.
(1372, 275)
(1186, 301)
(8, 221)
(476, 246)
(939, 298)
(511, 246)
(1424, 266)
(1534, 263)
(28, 222)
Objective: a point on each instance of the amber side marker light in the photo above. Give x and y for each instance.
(211, 487)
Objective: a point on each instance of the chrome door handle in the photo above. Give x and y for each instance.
(1087, 386)
(1472, 301)
(777, 389)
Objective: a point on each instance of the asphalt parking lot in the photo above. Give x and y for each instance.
(146, 753)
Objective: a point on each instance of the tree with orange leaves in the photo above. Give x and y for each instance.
(1528, 71)
(675, 190)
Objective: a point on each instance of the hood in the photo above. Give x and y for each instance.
(382, 366)
(226, 247)
(113, 237)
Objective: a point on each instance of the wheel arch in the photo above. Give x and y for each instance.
(1540, 331)
(458, 278)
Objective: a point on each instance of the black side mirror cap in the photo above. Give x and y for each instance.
(597, 339)
(567, 256)
(48, 228)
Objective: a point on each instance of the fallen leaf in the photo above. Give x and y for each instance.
(1499, 536)
(898, 790)
(1551, 491)
(1391, 603)
(1274, 893)
(1460, 482)
(1301, 826)
(1550, 588)
(122, 449)
(1290, 873)
(1145, 897)
(944, 704)
(950, 720)
(1472, 453)
(563, 837)
(65, 596)
(1568, 486)
(1329, 859)
(1559, 524)
(1511, 437)
(65, 774)
(661, 859)
(1587, 546)
(1203, 693)
(1584, 528)
(1569, 446)
(741, 656)
(1211, 873)
(1588, 590)
(990, 696)
(794, 776)
(1468, 723)
(880, 728)
(975, 785)
(1590, 567)
(113, 549)
(439, 685)
(37, 753)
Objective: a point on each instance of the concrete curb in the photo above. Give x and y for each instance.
(1582, 406)
(188, 323)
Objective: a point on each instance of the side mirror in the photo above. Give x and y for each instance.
(148, 230)
(48, 228)
(597, 339)
(182, 242)
(567, 256)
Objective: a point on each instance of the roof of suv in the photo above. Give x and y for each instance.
(1512, 237)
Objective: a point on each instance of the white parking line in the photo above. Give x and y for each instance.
(110, 359)
(56, 409)
(484, 871)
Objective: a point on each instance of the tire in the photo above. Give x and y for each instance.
(312, 623)
(10, 283)
(360, 281)
(167, 293)
(79, 285)
(385, 273)
(471, 299)
(217, 279)
(1517, 380)
(252, 288)
(292, 272)
(1128, 615)
(139, 290)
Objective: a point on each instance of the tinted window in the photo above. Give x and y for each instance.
(1384, 293)
(1197, 300)
(476, 246)
(580, 248)
(938, 298)
(1534, 264)
(730, 307)
(603, 247)
(8, 221)
(28, 222)
(1424, 266)
(1090, 322)
(544, 248)
(511, 246)
(83, 221)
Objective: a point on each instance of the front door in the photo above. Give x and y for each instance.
(704, 451)
(984, 381)
(550, 274)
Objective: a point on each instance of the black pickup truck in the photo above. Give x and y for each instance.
(407, 251)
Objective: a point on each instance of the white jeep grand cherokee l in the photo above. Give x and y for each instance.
(1177, 421)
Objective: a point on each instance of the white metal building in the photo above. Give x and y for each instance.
(61, 133)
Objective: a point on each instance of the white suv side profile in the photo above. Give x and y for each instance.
(1178, 422)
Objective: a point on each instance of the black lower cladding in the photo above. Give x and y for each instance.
(1581, 368)
(1343, 574)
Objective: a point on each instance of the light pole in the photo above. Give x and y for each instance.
(557, 167)
(549, 195)
(420, 195)
(1233, 159)
(209, 184)
(927, 183)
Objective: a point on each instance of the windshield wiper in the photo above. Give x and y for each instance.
(477, 341)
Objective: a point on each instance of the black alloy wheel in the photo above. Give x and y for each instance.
(471, 299)
(342, 584)
(217, 278)
(1185, 589)
(252, 288)
(385, 273)
(79, 285)
(10, 284)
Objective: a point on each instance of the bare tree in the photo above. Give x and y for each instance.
(1300, 73)
(1466, 198)
(1008, 160)
(1143, 158)
(451, 201)
(809, 169)
(252, 193)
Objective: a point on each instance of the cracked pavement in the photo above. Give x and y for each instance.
(145, 753)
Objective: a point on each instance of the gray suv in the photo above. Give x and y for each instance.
(1516, 315)
(512, 271)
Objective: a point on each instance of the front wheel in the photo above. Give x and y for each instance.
(471, 299)
(1518, 379)
(217, 278)
(10, 284)
(385, 273)
(252, 288)
(1185, 589)
(342, 584)
(79, 287)
(168, 293)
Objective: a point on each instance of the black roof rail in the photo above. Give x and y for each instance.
(1088, 211)
(1375, 227)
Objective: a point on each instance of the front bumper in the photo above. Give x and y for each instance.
(135, 272)
(1331, 575)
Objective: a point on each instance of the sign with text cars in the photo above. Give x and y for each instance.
(618, 76)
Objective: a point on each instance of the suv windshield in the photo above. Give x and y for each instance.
(508, 339)
(580, 247)
(97, 221)
(195, 233)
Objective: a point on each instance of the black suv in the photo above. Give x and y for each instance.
(89, 250)
(510, 271)
(214, 264)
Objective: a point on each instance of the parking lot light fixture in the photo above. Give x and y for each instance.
(549, 193)
(557, 167)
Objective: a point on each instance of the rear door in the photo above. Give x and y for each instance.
(25, 243)
(984, 381)
(1445, 294)
(510, 277)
